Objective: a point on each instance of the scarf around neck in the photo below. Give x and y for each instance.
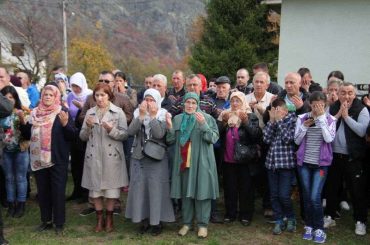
(188, 120)
(42, 120)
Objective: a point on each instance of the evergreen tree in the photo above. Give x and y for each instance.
(235, 35)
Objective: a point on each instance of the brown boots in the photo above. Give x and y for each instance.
(102, 223)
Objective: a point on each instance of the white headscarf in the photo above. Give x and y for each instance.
(161, 114)
(61, 76)
(79, 80)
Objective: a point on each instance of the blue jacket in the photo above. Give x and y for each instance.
(33, 95)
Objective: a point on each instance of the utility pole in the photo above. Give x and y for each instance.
(65, 50)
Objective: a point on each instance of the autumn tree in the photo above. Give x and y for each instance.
(235, 35)
(90, 57)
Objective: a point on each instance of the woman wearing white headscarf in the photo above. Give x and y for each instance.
(75, 100)
(149, 194)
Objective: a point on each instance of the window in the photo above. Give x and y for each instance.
(17, 49)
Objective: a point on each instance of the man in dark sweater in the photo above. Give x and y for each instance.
(349, 150)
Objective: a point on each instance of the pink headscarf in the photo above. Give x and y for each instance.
(234, 120)
(42, 120)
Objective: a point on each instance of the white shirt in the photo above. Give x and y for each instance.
(264, 102)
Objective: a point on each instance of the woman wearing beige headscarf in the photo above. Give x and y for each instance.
(238, 125)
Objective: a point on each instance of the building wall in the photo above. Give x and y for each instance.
(325, 36)
(6, 38)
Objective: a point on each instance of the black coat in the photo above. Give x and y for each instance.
(60, 138)
(249, 133)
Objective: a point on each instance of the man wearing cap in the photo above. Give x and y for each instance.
(222, 93)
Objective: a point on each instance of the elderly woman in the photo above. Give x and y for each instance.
(75, 101)
(194, 174)
(104, 173)
(238, 124)
(52, 130)
(149, 199)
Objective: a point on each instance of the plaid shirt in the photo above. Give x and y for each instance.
(206, 104)
(280, 137)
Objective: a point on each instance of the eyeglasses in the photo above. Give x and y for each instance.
(106, 81)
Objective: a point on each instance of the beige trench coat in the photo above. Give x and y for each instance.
(105, 165)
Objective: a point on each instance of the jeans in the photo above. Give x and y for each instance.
(15, 166)
(280, 181)
(312, 179)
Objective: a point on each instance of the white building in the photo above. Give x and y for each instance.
(10, 47)
(325, 36)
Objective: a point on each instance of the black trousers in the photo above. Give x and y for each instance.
(355, 179)
(238, 189)
(51, 187)
(78, 149)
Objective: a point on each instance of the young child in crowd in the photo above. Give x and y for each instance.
(314, 133)
(280, 163)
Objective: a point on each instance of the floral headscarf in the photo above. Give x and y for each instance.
(42, 120)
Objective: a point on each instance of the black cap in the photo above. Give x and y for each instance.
(222, 79)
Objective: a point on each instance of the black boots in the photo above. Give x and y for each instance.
(11, 209)
(19, 211)
(15, 210)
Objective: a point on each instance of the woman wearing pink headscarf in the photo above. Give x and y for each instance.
(52, 129)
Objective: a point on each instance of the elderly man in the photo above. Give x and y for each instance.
(242, 78)
(349, 150)
(259, 100)
(222, 95)
(160, 84)
(5, 81)
(194, 84)
(273, 87)
(178, 89)
(32, 91)
(148, 83)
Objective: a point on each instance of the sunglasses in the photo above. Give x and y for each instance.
(105, 81)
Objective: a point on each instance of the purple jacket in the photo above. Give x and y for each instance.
(326, 152)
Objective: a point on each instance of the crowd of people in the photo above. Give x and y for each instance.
(173, 149)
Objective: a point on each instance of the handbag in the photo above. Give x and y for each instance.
(152, 148)
(244, 153)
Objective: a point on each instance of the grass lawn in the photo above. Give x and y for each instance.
(78, 230)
